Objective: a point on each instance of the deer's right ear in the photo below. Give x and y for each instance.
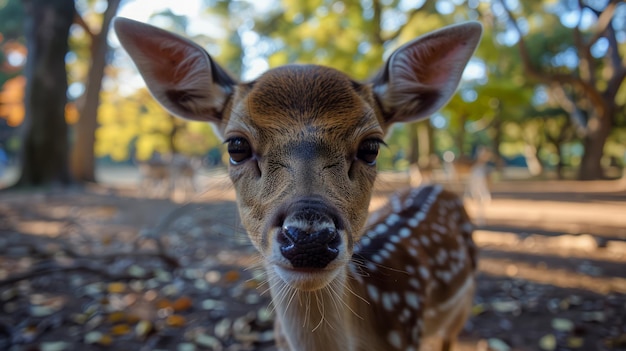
(180, 75)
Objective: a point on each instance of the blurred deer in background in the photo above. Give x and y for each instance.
(303, 142)
(173, 175)
(477, 186)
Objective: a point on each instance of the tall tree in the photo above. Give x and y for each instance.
(45, 145)
(83, 157)
(588, 91)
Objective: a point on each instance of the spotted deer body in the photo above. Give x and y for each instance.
(303, 141)
(428, 285)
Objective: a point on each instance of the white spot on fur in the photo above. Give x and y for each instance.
(373, 292)
(424, 272)
(384, 253)
(436, 238)
(412, 299)
(394, 339)
(395, 297)
(390, 247)
(392, 219)
(387, 303)
(405, 232)
(365, 241)
(381, 228)
(420, 216)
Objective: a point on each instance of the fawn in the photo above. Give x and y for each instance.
(303, 142)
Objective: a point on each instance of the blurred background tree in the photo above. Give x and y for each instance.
(83, 156)
(574, 52)
(45, 146)
(544, 91)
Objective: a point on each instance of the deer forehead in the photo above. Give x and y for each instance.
(306, 103)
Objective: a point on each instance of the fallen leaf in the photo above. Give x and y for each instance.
(232, 276)
(54, 346)
(478, 309)
(132, 318)
(120, 329)
(562, 324)
(548, 342)
(210, 304)
(498, 345)
(42, 311)
(163, 303)
(29, 333)
(105, 340)
(143, 328)
(222, 328)
(175, 320)
(183, 303)
(207, 341)
(594, 316)
(116, 288)
(136, 271)
(575, 342)
(186, 346)
(505, 306)
(79, 318)
(251, 284)
(212, 276)
(170, 290)
(116, 317)
(93, 337)
(9, 294)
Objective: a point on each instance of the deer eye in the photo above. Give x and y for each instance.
(368, 151)
(239, 150)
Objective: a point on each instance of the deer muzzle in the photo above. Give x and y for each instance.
(309, 236)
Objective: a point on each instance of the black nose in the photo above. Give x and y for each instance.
(315, 249)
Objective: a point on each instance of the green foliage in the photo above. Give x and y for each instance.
(11, 31)
(137, 127)
(11, 19)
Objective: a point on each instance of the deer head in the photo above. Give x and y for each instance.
(302, 139)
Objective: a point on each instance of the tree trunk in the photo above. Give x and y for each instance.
(83, 157)
(45, 145)
(497, 140)
(598, 132)
(560, 165)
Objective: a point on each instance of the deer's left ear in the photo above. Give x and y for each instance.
(421, 76)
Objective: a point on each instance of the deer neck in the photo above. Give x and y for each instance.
(317, 320)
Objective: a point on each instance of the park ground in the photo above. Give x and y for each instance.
(110, 266)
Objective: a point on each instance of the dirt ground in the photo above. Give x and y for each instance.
(113, 267)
